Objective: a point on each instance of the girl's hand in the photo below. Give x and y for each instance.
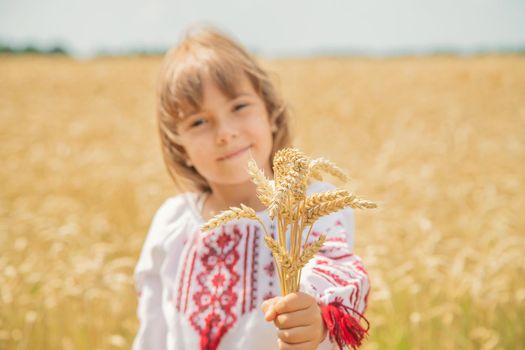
(298, 319)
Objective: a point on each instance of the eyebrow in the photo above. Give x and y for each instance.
(195, 112)
(244, 94)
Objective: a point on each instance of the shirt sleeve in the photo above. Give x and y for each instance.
(152, 332)
(338, 280)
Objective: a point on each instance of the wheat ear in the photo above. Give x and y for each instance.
(279, 252)
(322, 197)
(264, 186)
(309, 251)
(315, 212)
(228, 215)
(290, 170)
(322, 164)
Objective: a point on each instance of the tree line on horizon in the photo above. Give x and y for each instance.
(59, 50)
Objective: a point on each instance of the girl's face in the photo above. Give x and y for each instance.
(219, 138)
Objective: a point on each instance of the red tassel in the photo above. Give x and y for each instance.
(343, 328)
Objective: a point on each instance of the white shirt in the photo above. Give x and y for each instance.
(204, 290)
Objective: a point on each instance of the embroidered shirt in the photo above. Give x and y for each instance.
(203, 290)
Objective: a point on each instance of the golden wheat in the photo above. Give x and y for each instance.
(328, 196)
(283, 187)
(286, 198)
(280, 253)
(315, 212)
(292, 171)
(293, 208)
(228, 215)
(322, 164)
(310, 250)
(290, 164)
(264, 186)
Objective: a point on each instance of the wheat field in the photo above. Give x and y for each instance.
(438, 142)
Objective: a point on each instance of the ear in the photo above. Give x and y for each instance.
(274, 128)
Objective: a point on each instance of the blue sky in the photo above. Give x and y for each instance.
(269, 27)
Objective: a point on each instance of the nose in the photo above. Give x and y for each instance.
(226, 131)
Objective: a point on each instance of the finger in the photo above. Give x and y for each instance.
(302, 346)
(297, 335)
(266, 304)
(270, 314)
(293, 319)
(294, 302)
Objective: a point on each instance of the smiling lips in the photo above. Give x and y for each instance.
(234, 154)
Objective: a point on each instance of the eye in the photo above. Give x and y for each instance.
(239, 106)
(197, 122)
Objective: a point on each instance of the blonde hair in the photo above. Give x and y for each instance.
(208, 52)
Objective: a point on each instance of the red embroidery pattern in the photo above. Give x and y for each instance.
(181, 282)
(269, 295)
(187, 253)
(255, 265)
(189, 279)
(249, 290)
(335, 248)
(247, 240)
(345, 269)
(216, 294)
(314, 234)
(270, 269)
(336, 279)
(340, 257)
(341, 239)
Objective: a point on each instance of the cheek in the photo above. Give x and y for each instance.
(260, 126)
(198, 155)
(265, 133)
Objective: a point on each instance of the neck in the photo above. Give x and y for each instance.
(225, 196)
(222, 197)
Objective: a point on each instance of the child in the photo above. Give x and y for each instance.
(218, 289)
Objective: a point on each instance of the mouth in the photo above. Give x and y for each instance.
(235, 154)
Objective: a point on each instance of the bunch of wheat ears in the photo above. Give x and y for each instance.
(286, 199)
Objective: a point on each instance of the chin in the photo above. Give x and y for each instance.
(233, 179)
(240, 180)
